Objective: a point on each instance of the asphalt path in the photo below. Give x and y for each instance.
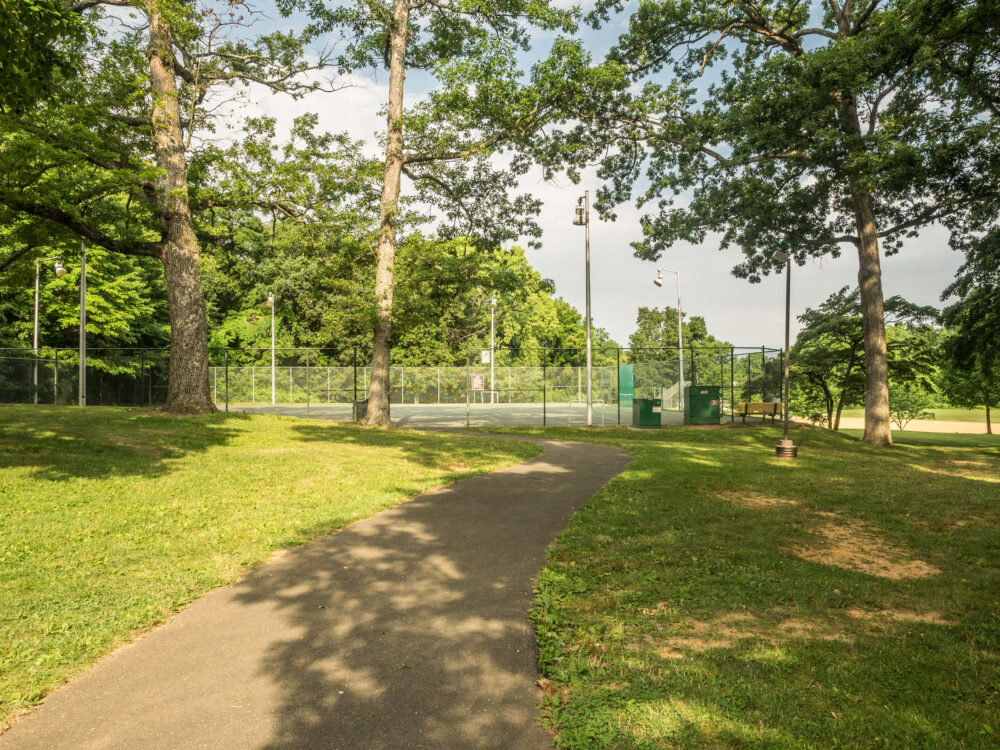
(405, 630)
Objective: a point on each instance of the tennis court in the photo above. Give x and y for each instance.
(467, 415)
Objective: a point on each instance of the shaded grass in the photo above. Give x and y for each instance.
(715, 596)
(112, 519)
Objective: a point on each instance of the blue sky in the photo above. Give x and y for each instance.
(735, 310)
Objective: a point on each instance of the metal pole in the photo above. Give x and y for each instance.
(308, 383)
(83, 324)
(763, 376)
(493, 309)
(732, 389)
(788, 309)
(544, 394)
(680, 340)
(38, 272)
(227, 380)
(618, 385)
(590, 374)
(272, 354)
(55, 379)
(355, 373)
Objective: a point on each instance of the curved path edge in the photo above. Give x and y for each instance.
(408, 629)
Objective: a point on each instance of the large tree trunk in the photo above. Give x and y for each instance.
(187, 388)
(378, 393)
(878, 430)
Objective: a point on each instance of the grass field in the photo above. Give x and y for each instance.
(715, 596)
(112, 519)
(942, 415)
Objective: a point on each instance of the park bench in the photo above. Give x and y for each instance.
(765, 408)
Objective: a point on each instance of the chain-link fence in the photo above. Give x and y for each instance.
(520, 387)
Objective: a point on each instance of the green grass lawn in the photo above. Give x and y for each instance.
(942, 415)
(715, 596)
(112, 519)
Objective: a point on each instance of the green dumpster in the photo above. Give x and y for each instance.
(702, 404)
(646, 412)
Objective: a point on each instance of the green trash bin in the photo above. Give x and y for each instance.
(702, 404)
(646, 412)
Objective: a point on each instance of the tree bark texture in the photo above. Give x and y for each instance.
(188, 389)
(878, 430)
(378, 392)
(989, 426)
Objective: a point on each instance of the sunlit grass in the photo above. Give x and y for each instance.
(716, 596)
(112, 519)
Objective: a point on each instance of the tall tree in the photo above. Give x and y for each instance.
(480, 106)
(106, 157)
(828, 359)
(787, 126)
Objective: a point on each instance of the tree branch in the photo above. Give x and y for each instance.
(75, 224)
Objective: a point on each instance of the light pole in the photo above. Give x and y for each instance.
(583, 219)
(680, 329)
(270, 303)
(82, 395)
(786, 449)
(493, 309)
(59, 271)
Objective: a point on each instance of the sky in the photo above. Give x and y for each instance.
(735, 310)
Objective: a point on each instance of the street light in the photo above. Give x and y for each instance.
(270, 303)
(680, 328)
(493, 309)
(583, 220)
(60, 271)
(786, 449)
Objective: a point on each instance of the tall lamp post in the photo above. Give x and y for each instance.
(493, 309)
(786, 449)
(59, 271)
(680, 329)
(583, 220)
(270, 303)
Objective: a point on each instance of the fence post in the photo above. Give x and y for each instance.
(732, 387)
(290, 393)
(544, 394)
(355, 373)
(253, 384)
(618, 383)
(468, 385)
(308, 382)
(55, 379)
(402, 384)
(227, 380)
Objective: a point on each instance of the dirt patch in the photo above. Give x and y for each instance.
(728, 630)
(850, 545)
(755, 500)
(900, 615)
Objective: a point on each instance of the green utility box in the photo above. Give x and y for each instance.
(702, 404)
(646, 412)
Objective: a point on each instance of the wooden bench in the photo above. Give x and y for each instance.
(770, 409)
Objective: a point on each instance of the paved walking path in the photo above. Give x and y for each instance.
(406, 630)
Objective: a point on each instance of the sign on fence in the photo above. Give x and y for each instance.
(484, 356)
(478, 382)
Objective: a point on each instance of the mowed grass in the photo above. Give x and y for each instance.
(715, 596)
(947, 414)
(112, 519)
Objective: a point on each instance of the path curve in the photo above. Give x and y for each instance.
(406, 630)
